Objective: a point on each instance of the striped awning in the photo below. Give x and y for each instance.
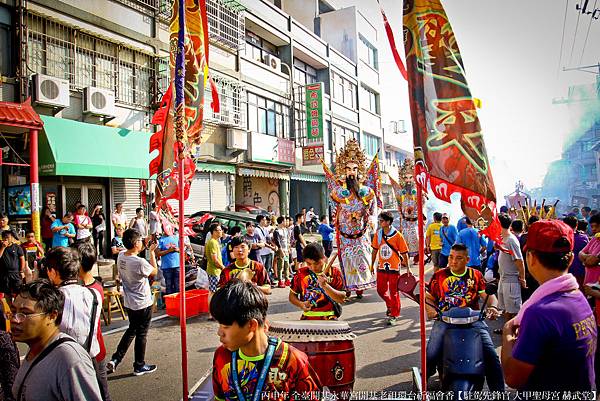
(252, 172)
(307, 177)
(215, 168)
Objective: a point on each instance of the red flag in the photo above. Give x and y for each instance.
(444, 116)
(392, 42)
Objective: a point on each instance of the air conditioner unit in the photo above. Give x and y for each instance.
(237, 139)
(98, 101)
(51, 91)
(273, 62)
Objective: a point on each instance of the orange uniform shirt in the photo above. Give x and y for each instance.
(389, 260)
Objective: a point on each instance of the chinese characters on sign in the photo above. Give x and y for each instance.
(314, 124)
(311, 155)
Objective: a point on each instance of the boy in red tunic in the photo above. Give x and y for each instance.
(313, 288)
(249, 365)
(242, 263)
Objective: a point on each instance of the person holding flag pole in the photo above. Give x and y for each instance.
(180, 118)
(450, 152)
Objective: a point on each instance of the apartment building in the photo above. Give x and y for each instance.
(96, 70)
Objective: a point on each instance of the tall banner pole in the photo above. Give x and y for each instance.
(421, 182)
(180, 156)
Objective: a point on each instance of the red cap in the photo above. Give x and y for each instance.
(550, 236)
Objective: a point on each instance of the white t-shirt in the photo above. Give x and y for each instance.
(83, 232)
(77, 314)
(134, 272)
(119, 219)
(309, 216)
(154, 220)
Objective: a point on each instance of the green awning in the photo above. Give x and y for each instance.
(307, 177)
(215, 168)
(68, 147)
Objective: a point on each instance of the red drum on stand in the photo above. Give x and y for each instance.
(330, 348)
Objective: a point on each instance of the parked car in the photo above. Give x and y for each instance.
(255, 210)
(227, 220)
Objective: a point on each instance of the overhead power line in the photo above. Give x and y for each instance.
(562, 40)
(587, 35)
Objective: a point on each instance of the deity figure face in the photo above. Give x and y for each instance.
(409, 180)
(352, 170)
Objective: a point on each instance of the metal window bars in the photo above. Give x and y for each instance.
(232, 98)
(84, 60)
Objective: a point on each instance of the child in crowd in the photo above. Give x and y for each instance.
(315, 288)
(116, 246)
(32, 248)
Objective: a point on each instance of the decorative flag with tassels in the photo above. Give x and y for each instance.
(195, 61)
(444, 117)
(372, 179)
(196, 66)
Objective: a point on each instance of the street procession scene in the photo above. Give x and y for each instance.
(251, 200)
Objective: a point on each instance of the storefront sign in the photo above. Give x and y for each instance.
(314, 112)
(272, 150)
(311, 155)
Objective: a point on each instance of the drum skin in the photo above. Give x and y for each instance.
(329, 347)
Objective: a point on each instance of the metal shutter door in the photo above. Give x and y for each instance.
(127, 192)
(200, 194)
(218, 191)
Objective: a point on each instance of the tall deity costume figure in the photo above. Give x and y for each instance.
(406, 194)
(354, 192)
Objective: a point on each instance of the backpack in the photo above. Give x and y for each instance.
(225, 252)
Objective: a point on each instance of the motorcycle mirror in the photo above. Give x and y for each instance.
(491, 288)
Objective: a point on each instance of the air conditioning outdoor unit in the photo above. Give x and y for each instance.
(51, 91)
(273, 62)
(98, 101)
(237, 139)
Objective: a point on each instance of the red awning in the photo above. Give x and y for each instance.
(20, 115)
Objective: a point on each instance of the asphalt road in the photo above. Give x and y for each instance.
(384, 355)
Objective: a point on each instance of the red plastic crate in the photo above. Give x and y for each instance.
(192, 304)
(203, 301)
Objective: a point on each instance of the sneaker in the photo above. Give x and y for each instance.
(359, 296)
(281, 284)
(287, 283)
(391, 321)
(144, 369)
(111, 366)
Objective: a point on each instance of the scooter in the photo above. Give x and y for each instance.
(462, 365)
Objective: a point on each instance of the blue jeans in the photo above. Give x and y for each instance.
(171, 280)
(493, 369)
(267, 261)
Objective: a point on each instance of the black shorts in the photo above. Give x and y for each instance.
(10, 283)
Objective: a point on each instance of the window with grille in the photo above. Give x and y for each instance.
(84, 60)
(232, 98)
(226, 23)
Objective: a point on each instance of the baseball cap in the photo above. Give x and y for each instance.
(550, 236)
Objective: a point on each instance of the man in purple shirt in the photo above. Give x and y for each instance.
(550, 345)
(590, 255)
(580, 241)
